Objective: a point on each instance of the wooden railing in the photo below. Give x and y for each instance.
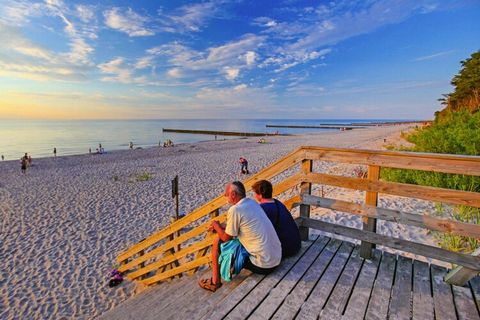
(160, 256)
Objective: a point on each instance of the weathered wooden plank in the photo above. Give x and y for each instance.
(422, 292)
(341, 293)
(173, 272)
(293, 201)
(400, 189)
(240, 293)
(305, 187)
(299, 294)
(442, 295)
(475, 286)
(276, 296)
(417, 220)
(460, 275)
(370, 224)
(465, 303)
(379, 300)
(401, 300)
(313, 305)
(357, 305)
(460, 164)
(403, 245)
(254, 297)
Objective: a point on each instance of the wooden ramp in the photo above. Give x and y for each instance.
(327, 280)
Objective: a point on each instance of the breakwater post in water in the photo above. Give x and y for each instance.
(223, 133)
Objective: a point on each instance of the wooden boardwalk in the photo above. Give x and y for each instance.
(326, 280)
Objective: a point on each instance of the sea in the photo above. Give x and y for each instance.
(70, 137)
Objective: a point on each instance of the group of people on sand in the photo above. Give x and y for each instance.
(167, 143)
(25, 161)
(257, 235)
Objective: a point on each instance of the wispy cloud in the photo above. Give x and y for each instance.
(118, 71)
(189, 18)
(433, 56)
(128, 22)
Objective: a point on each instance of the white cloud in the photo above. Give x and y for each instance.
(433, 56)
(129, 22)
(118, 71)
(144, 62)
(250, 57)
(231, 73)
(189, 18)
(18, 12)
(85, 13)
(174, 73)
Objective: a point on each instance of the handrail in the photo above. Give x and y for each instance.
(149, 259)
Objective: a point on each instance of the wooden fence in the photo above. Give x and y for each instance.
(183, 245)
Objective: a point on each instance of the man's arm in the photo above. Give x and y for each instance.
(215, 226)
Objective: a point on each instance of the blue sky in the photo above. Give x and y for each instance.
(387, 59)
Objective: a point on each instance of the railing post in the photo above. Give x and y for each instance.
(305, 187)
(370, 224)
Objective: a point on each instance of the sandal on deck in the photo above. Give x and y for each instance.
(208, 284)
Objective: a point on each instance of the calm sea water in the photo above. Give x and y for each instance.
(39, 137)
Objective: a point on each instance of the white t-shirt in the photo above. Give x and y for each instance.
(248, 222)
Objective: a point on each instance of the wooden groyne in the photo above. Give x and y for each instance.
(339, 127)
(222, 133)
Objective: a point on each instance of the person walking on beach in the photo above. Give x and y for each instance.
(54, 152)
(131, 145)
(3, 158)
(23, 163)
(280, 217)
(247, 241)
(244, 166)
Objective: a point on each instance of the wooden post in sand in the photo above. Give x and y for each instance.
(370, 224)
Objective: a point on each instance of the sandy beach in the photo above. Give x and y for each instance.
(65, 221)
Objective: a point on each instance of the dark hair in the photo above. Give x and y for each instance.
(264, 188)
(239, 188)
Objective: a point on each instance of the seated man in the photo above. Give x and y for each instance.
(246, 221)
(280, 217)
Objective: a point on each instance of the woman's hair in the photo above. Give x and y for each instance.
(264, 188)
(239, 188)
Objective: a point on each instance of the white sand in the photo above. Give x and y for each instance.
(63, 224)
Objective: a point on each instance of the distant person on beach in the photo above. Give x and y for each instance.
(247, 241)
(90, 150)
(280, 217)
(3, 158)
(243, 165)
(131, 145)
(54, 152)
(23, 163)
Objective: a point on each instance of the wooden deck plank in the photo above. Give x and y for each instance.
(401, 297)
(475, 286)
(380, 298)
(464, 303)
(358, 303)
(422, 292)
(256, 296)
(276, 296)
(237, 295)
(313, 305)
(341, 293)
(299, 294)
(442, 295)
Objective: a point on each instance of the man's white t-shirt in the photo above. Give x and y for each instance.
(247, 221)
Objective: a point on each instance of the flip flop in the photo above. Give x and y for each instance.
(208, 284)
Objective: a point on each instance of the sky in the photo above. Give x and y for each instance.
(358, 59)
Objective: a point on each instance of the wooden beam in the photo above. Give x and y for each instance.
(461, 275)
(370, 224)
(173, 272)
(305, 187)
(292, 202)
(400, 189)
(459, 164)
(416, 220)
(399, 244)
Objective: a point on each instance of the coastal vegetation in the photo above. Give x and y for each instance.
(455, 130)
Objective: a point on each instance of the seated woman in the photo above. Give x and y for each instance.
(280, 217)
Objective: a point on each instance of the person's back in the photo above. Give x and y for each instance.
(284, 225)
(248, 222)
